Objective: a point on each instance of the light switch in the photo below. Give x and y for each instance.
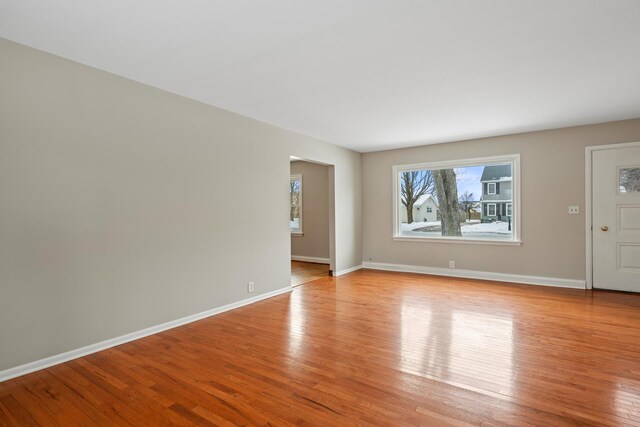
(574, 210)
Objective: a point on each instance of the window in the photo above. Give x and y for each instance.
(477, 201)
(295, 212)
(629, 179)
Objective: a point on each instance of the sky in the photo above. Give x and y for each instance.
(468, 179)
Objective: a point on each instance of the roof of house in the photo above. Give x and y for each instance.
(496, 172)
(424, 198)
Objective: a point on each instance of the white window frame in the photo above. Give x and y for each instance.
(513, 159)
(495, 211)
(489, 192)
(297, 231)
(509, 209)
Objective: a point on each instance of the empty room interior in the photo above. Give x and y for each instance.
(320, 213)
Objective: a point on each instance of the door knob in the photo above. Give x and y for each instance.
(604, 228)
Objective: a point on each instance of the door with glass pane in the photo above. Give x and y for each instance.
(616, 219)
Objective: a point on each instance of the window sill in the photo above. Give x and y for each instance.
(458, 241)
(297, 234)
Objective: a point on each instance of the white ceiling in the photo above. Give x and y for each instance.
(364, 74)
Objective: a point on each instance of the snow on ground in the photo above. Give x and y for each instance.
(472, 229)
(498, 227)
(410, 227)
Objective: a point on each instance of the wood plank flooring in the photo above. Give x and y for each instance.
(367, 348)
(303, 272)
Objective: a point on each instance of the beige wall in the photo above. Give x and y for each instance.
(314, 242)
(119, 205)
(552, 176)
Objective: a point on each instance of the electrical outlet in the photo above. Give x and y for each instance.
(574, 210)
(251, 287)
(452, 264)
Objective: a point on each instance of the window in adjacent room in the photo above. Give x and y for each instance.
(295, 212)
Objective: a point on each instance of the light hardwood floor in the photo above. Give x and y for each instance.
(367, 348)
(303, 272)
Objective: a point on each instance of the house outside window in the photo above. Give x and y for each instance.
(486, 194)
(497, 194)
(295, 211)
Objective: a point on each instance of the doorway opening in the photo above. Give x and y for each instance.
(311, 220)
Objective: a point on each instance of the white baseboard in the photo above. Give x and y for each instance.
(482, 275)
(94, 348)
(347, 270)
(310, 259)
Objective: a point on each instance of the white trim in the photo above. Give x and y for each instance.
(310, 259)
(481, 275)
(508, 208)
(495, 209)
(347, 270)
(588, 223)
(458, 240)
(57, 359)
(396, 205)
(489, 193)
(587, 217)
(476, 161)
(513, 159)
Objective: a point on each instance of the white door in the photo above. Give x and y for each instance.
(616, 219)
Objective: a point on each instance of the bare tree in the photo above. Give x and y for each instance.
(413, 185)
(447, 190)
(630, 179)
(466, 202)
(294, 193)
